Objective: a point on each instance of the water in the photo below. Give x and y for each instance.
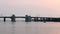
(21, 27)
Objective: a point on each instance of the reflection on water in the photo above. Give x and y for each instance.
(13, 28)
(29, 28)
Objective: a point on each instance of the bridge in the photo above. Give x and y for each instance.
(29, 18)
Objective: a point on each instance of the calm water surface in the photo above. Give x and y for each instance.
(21, 27)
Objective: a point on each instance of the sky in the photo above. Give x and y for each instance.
(48, 8)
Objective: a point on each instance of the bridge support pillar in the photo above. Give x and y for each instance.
(41, 19)
(36, 19)
(13, 18)
(4, 19)
(44, 20)
(27, 18)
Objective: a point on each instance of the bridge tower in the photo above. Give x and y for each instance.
(13, 18)
(27, 18)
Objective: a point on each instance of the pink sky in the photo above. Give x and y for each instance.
(31, 7)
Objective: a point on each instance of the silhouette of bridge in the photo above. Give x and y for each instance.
(29, 18)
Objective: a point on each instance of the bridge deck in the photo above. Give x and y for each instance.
(10, 17)
(23, 17)
(35, 18)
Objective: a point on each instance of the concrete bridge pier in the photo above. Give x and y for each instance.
(27, 18)
(44, 20)
(13, 18)
(36, 19)
(4, 19)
